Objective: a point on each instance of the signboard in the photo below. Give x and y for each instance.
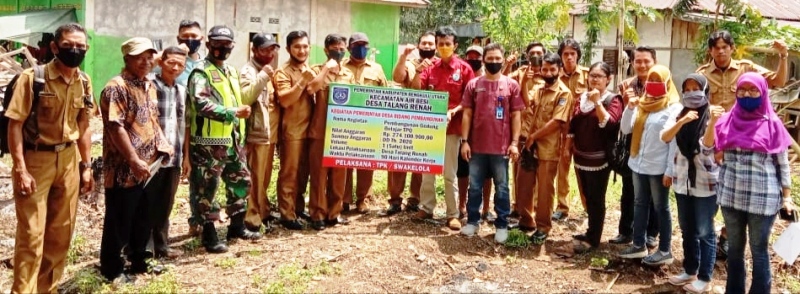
(385, 129)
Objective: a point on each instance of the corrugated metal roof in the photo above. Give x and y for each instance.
(777, 9)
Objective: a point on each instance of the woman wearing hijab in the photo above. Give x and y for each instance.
(694, 180)
(593, 128)
(650, 160)
(754, 181)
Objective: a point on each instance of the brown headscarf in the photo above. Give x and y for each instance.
(648, 104)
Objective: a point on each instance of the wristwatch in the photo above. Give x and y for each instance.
(464, 141)
(84, 165)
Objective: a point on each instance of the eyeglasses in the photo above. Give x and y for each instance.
(741, 92)
(594, 76)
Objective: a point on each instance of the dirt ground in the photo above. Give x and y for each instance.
(378, 254)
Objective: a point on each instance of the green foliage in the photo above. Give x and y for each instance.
(515, 23)
(86, 280)
(415, 21)
(517, 239)
(192, 244)
(295, 279)
(599, 262)
(225, 263)
(76, 248)
(599, 17)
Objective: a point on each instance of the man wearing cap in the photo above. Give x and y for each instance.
(474, 56)
(367, 73)
(262, 129)
(49, 171)
(132, 143)
(406, 73)
(217, 109)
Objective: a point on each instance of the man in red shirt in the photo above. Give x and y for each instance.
(449, 74)
(492, 104)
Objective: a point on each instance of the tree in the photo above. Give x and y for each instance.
(600, 14)
(515, 23)
(415, 21)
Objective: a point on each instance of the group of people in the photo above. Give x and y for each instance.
(174, 114)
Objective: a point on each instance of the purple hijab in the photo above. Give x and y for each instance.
(760, 130)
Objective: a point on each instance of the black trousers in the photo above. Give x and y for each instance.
(161, 197)
(595, 184)
(126, 224)
(626, 211)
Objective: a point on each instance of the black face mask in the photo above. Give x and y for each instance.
(192, 44)
(494, 68)
(535, 61)
(550, 80)
(427, 54)
(221, 53)
(474, 64)
(71, 57)
(336, 55)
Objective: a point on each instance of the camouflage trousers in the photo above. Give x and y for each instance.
(210, 163)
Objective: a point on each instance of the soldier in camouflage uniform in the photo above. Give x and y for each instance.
(217, 109)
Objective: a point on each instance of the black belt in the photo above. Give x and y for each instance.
(49, 148)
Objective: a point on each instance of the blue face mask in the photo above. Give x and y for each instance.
(749, 104)
(359, 52)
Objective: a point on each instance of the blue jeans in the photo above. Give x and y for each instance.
(650, 189)
(481, 165)
(740, 224)
(696, 218)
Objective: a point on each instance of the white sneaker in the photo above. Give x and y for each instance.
(682, 279)
(501, 235)
(470, 230)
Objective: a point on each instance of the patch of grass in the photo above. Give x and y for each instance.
(511, 259)
(225, 263)
(292, 278)
(255, 252)
(599, 262)
(788, 281)
(517, 239)
(165, 283)
(86, 280)
(76, 248)
(192, 245)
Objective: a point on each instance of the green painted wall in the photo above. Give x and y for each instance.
(381, 23)
(9, 7)
(104, 59)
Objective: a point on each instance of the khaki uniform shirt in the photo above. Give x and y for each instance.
(262, 125)
(368, 73)
(553, 102)
(320, 117)
(61, 106)
(527, 114)
(296, 117)
(723, 83)
(577, 81)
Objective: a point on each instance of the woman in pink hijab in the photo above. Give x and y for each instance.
(754, 180)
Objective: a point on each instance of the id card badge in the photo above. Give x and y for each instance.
(498, 113)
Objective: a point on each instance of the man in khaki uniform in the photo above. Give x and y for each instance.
(48, 170)
(327, 184)
(723, 71)
(575, 78)
(528, 77)
(367, 73)
(262, 129)
(552, 105)
(290, 83)
(406, 73)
